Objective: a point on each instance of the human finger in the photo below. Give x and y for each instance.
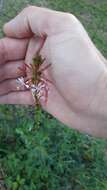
(12, 49)
(35, 20)
(11, 85)
(12, 70)
(34, 47)
(18, 98)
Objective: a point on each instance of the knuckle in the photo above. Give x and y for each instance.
(71, 17)
(71, 22)
(3, 53)
(29, 8)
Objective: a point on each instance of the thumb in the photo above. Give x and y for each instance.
(35, 20)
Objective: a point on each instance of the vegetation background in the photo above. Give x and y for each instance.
(52, 157)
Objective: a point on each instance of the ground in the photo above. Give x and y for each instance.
(52, 157)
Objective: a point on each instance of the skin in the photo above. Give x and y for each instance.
(78, 70)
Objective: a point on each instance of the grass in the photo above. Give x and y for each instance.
(52, 157)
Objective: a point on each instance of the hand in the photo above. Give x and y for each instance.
(78, 70)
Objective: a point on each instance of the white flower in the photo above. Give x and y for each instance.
(21, 82)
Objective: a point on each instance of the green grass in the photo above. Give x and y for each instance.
(52, 157)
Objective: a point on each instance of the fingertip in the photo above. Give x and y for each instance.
(17, 28)
(10, 29)
(6, 29)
